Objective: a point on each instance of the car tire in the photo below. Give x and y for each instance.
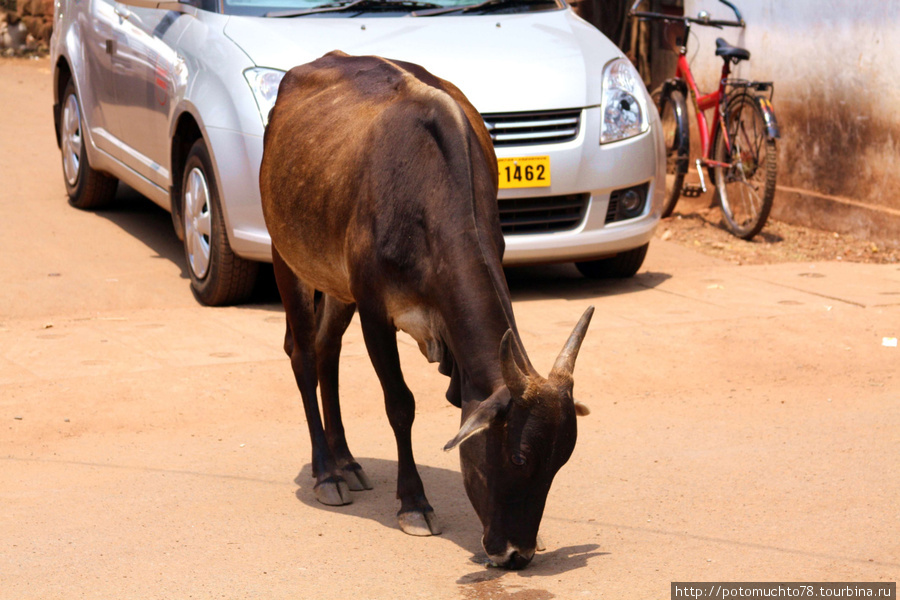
(219, 277)
(88, 189)
(620, 266)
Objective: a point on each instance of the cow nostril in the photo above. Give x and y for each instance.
(518, 561)
(511, 557)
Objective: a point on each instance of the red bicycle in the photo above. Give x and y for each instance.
(737, 144)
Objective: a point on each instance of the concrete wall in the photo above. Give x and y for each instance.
(836, 66)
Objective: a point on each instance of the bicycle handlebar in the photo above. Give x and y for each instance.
(737, 13)
(634, 12)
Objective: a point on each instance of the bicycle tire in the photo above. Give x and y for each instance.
(673, 118)
(753, 168)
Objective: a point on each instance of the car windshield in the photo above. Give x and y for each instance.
(353, 8)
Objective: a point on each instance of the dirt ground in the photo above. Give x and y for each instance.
(745, 418)
(696, 225)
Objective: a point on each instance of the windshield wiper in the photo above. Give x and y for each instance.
(345, 5)
(485, 6)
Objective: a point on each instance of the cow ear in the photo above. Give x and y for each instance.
(581, 410)
(481, 418)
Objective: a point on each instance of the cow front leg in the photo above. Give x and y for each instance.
(299, 307)
(333, 317)
(416, 516)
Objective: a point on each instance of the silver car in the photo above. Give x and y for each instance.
(172, 98)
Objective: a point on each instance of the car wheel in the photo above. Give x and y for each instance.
(218, 276)
(87, 188)
(620, 266)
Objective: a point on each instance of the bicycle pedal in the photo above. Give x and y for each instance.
(692, 190)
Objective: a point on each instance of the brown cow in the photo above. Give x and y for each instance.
(379, 189)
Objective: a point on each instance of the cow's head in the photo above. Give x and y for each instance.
(527, 432)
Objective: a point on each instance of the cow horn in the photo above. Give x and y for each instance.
(565, 362)
(513, 376)
(522, 360)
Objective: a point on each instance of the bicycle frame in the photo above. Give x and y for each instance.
(703, 102)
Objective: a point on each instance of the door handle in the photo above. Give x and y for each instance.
(121, 11)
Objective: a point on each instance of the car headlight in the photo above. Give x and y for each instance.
(624, 105)
(264, 83)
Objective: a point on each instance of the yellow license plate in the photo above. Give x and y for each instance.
(524, 172)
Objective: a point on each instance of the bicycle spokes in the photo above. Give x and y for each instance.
(745, 173)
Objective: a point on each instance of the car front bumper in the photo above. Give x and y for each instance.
(581, 166)
(584, 166)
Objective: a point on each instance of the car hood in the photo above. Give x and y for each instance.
(502, 63)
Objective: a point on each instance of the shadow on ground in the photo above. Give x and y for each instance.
(147, 222)
(135, 214)
(712, 218)
(444, 488)
(445, 491)
(152, 225)
(564, 281)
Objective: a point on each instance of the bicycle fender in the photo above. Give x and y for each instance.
(684, 125)
(681, 114)
(768, 111)
(675, 83)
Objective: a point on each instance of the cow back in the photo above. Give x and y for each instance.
(373, 165)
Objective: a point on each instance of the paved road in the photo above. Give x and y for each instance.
(744, 428)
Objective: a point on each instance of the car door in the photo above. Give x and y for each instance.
(146, 70)
(97, 89)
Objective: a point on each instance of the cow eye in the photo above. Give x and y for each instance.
(518, 459)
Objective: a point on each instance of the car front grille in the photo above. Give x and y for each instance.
(542, 215)
(531, 128)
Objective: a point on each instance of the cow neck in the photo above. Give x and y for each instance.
(476, 316)
(483, 310)
(492, 267)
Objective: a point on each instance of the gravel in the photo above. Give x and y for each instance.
(779, 242)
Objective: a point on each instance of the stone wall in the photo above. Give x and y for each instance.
(25, 26)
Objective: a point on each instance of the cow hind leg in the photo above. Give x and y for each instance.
(299, 306)
(333, 317)
(416, 516)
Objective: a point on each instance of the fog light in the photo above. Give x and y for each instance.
(627, 203)
(631, 203)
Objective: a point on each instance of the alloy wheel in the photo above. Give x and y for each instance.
(197, 222)
(71, 140)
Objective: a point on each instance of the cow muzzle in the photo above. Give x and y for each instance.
(514, 558)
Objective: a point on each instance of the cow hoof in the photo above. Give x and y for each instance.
(539, 545)
(419, 523)
(356, 478)
(333, 492)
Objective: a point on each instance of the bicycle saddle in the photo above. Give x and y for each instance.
(726, 50)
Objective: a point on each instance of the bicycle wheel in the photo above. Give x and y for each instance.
(676, 137)
(746, 188)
